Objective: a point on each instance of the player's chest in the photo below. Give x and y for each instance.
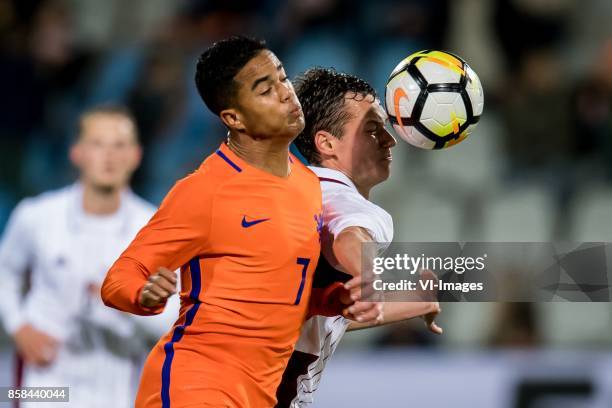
(269, 217)
(66, 250)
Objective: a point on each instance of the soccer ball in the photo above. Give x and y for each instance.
(434, 99)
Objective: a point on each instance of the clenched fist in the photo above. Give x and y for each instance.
(363, 311)
(159, 288)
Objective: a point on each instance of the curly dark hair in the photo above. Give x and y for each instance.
(322, 92)
(217, 67)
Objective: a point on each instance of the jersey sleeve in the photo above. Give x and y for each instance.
(177, 232)
(326, 301)
(15, 257)
(343, 209)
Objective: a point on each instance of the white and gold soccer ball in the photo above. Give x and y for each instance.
(434, 99)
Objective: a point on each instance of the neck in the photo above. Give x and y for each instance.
(364, 190)
(100, 200)
(271, 156)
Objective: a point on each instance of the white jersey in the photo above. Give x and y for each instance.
(343, 207)
(66, 254)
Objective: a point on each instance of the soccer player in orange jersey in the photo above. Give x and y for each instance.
(244, 230)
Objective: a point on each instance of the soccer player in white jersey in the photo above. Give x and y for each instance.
(63, 242)
(348, 147)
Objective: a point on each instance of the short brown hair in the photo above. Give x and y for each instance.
(322, 93)
(108, 109)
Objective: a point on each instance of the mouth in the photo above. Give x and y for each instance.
(296, 111)
(388, 157)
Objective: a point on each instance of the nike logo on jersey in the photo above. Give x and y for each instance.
(247, 224)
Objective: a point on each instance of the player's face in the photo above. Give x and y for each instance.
(266, 104)
(107, 152)
(364, 151)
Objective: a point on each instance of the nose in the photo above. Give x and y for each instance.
(285, 91)
(386, 139)
(107, 149)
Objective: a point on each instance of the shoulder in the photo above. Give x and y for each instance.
(47, 201)
(215, 171)
(41, 209)
(212, 173)
(307, 171)
(194, 193)
(218, 167)
(306, 177)
(343, 208)
(343, 200)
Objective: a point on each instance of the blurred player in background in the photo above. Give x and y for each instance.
(59, 245)
(244, 228)
(346, 143)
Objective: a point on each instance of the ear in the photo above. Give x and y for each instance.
(136, 158)
(325, 143)
(232, 119)
(76, 154)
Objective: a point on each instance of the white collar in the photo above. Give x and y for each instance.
(327, 174)
(77, 216)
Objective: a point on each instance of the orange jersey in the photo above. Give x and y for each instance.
(247, 243)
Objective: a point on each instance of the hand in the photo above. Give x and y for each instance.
(362, 311)
(357, 289)
(365, 312)
(35, 346)
(159, 288)
(430, 318)
(93, 290)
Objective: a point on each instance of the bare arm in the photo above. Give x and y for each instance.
(394, 309)
(348, 249)
(397, 311)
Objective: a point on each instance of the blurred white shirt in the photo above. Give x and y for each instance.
(67, 253)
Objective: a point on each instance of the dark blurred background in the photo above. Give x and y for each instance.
(538, 168)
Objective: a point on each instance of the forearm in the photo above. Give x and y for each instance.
(16, 248)
(397, 311)
(349, 250)
(122, 285)
(331, 300)
(11, 310)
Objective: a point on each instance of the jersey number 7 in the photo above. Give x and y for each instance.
(304, 262)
